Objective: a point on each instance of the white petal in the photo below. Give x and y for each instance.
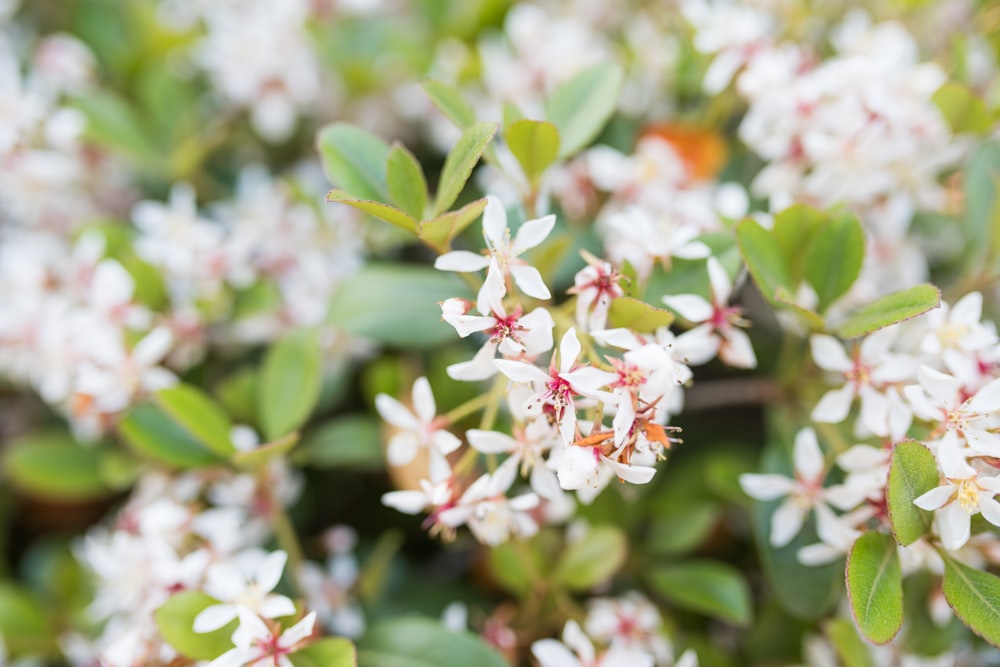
(986, 400)
(532, 233)
(722, 286)
(635, 474)
(276, 606)
(552, 653)
(462, 261)
(469, 324)
(736, 349)
(495, 222)
(766, 487)
(153, 347)
(518, 371)
(490, 442)
(829, 354)
(569, 350)
(954, 526)
(691, 307)
(395, 412)
(940, 386)
(935, 498)
(786, 522)
(834, 406)
(402, 449)
(445, 442)
(298, 632)
(968, 310)
(808, 456)
(269, 572)
(621, 338)
(490, 298)
(214, 617)
(423, 400)
(577, 467)
(578, 641)
(407, 502)
(529, 280)
(952, 460)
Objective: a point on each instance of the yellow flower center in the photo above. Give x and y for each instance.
(968, 495)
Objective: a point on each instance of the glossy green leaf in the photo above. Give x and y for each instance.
(353, 441)
(912, 472)
(327, 652)
(175, 619)
(151, 433)
(975, 597)
(834, 256)
(963, 109)
(793, 231)
(593, 559)
(707, 587)
(763, 258)
(459, 164)
(390, 214)
(875, 586)
(421, 642)
(53, 465)
(406, 182)
(199, 415)
(638, 315)
(25, 625)
(439, 232)
(396, 304)
(535, 144)
(889, 310)
(451, 103)
(290, 383)
(355, 161)
(581, 106)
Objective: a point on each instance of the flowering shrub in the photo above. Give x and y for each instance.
(562, 334)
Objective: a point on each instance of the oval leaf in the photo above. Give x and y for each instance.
(396, 304)
(150, 432)
(459, 164)
(875, 586)
(390, 214)
(834, 256)
(706, 587)
(581, 106)
(451, 104)
(963, 109)
(406, 181)
(25, 625)
(891, 309)
(439, 232)
(912, 472)
(290, 383)
(793, 231)
(592, 559)
(638, 315)
(422, 642)
(354, 160)
(53, 465)
(327, 652)
(175, 619)
(535, 144)
(346, 442)
(975, 597)
(199, 415)
(764, 259)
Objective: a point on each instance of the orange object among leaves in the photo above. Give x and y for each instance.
(702, 149)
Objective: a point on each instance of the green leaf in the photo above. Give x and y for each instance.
(707, 587)
(889, 310)
(681, 529)
(327, 652)
(53, 465)
(439, 232)
(535, 144)
(875, 586)
(793, 231)
(850, 647)
(237, 393)
(764, 259)
(459, 164)
(355, 160)
(982, 171)
(396, 304)
(511, 113)
(113, 123)
(406, 181)
(813, 321)
(175, 619)
(199, 415)
(834, 256)
(353, 441)
(912, 472)
(975, 597)
(451, 104)
(421, 642)
(260, 456)
(581, 106)
(963, 109)
(390, 214)
(592, 559)
(150, 432)
(638, 315)
(290, 383)
(25, 625)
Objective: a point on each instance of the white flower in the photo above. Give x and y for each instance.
(803, 493)
(257, 645)
(527, 449)
(576, 650)
(244, 582)
(419, 428)
(505, 251)
(596, 286)
(490, 515)
(631, 622)
(964, 492)
(940, 398)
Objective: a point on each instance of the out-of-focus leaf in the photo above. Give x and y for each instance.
(406, 182)
(581, 106)
(834, 256)
(451, 104)
(912, 472)
(238, 394)
(24, 624)
(353, 441)
(707, 587)
(150, 432)
(113, 123)
(963, 109)
(592, 559)
(396, 304)
(355, 160)
(175, 619)
(888, 310)
(793, 231)
(260, 456)
(535, 144)
(459, 164)
(439, 232)
(681, 530)
(517, 566)
(850, 647)
(421, 642)
(875, 586)
(53, 465)
(764, 259)
(638, 315)
(327, 652)
(975, 597)
(390, 214)
(289, 383)
(199, 415)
